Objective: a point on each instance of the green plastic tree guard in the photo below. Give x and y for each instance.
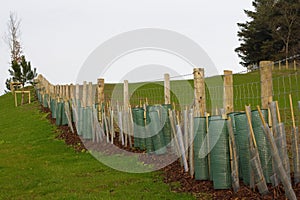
(166, 123)
(64, 119)
(53, 105)
(139, 128)
(156, 129)
(45, 100)
(242, 138)
(59, 108)
(219, 155)
(231, 115)
(263, 145)
(200, 161)
(148, 136)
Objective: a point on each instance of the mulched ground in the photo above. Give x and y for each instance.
(173, 174)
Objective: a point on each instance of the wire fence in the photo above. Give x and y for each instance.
(151, 128)
(246, 91)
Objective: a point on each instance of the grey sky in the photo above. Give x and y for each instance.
(58, 36)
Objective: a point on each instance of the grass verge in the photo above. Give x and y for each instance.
(36, 165)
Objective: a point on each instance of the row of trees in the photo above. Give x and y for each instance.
(20, 70)
(272, 33)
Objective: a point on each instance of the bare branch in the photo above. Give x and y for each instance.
(12, 37)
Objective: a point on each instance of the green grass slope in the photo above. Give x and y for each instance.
(35, 165)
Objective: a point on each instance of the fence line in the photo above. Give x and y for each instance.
(122, 113)
(182, 92)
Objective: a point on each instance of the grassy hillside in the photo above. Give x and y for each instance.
(35, 165)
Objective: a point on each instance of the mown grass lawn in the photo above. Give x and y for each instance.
(36, 165)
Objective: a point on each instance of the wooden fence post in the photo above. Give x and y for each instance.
(61, 91)
(56, 90)
(266, 83)
(72, 92)
(47, 87)
(228, 91)
(90, 95)
(62, 87)
(199, 92)
(279, 65)
(84, 94)
(67, 92)
(100, 91)
(100, 97)
(51, 90)
(167, 89)
(77, 92)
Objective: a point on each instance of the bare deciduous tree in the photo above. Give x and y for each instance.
(12, 37)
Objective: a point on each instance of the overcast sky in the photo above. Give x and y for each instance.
(58, 36)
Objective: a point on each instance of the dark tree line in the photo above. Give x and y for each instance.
(272, 33)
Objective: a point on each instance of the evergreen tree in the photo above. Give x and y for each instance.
(273, 30)
(21, 72)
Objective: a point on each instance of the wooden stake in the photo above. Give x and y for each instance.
(261, 117)
(292, 111)
(232, 144)
(16, 102)
(126, 100)
(278, 112)
(270, 118)
(147, 101)
(250, 126)
(112, 132)
(217, 111)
